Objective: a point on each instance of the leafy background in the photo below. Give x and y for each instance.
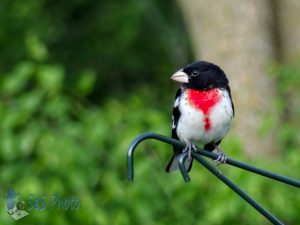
(79, 81)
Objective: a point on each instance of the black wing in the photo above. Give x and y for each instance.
(173, 164)
(175, 119)
(229, 92)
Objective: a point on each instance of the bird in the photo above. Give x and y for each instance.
(202, 112)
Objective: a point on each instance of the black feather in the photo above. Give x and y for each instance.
(175, 118)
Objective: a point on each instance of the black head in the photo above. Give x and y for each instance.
(201, 75)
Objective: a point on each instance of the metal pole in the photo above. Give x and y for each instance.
(250, 168)
(198, 156)
(139, 139)
(228, 182)
(211, 155)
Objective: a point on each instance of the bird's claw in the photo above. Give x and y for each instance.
(222, 158)
(189, 147)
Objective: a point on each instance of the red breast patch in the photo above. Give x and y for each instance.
(204, 101)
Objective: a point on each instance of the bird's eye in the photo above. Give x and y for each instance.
(195, 73)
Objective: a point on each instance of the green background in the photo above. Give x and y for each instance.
(79, 81)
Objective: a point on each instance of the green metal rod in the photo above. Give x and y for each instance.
(198, 156)
(211, 155)
(236, 189)
(181, 165)
(228, 182)
(140, 138)
(250, 168)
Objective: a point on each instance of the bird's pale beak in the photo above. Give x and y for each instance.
(180, 76)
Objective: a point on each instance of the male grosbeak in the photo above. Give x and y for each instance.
(203, 110)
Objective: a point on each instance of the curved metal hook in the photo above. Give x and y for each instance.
(181, 163)
(229, 161)
(197, 155)
(139, 139)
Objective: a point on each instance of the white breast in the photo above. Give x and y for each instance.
(191, 124)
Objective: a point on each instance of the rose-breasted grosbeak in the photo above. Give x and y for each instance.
(203, 110)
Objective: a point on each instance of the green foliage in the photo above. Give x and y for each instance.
(288, 104)
(53, 142)
(121, 42)
(79, 81)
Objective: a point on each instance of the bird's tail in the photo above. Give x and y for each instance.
(173, 164)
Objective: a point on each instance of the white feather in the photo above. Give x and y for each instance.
(191, 124)
(176, 103)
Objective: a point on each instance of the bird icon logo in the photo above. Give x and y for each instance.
(14, 206)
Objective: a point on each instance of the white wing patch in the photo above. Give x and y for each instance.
(176, 103)
(173, 123)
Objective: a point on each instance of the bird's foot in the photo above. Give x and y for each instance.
(222, 158)
(189, 147)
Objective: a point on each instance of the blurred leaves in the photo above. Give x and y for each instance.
(121, 42)
(288, 104)
(52, 142)
(78, 82)
(63, 145)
